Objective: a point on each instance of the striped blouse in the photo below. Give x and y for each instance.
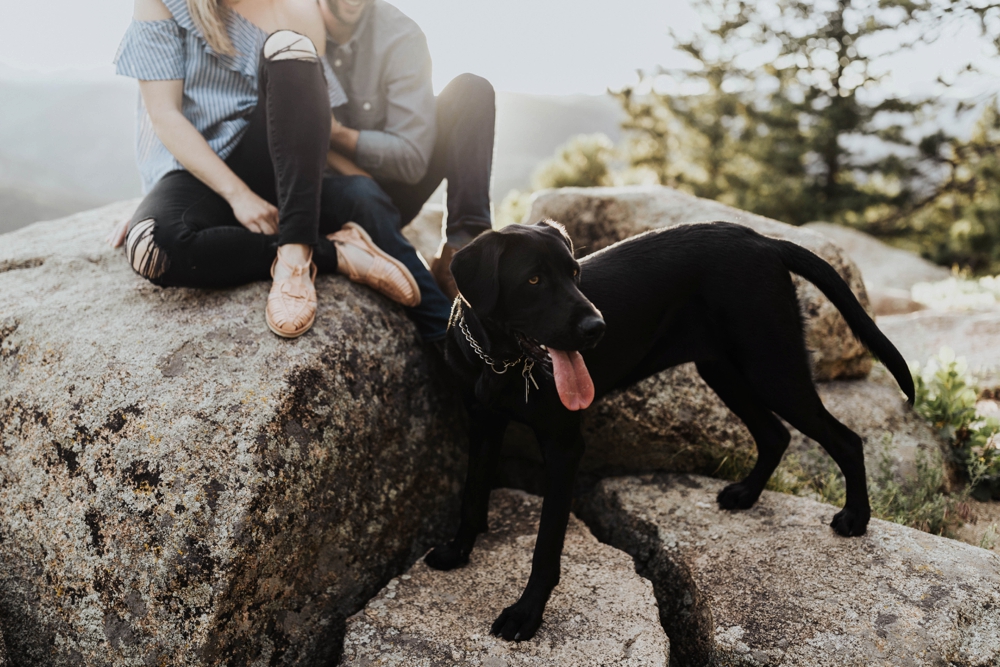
(220, 91)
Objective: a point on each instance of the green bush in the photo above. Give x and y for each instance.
(946, 397)
(585, 161)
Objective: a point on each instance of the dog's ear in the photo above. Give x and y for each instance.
(554, 227)
(476, 269)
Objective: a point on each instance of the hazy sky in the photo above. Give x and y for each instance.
(532, 46)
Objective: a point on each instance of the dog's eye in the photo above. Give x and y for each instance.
(533, 281)
(576, 272)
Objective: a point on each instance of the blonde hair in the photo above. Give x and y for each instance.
(210, 17)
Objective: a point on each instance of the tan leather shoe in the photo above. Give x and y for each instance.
(441, 270)
(291, 305)
(386, 274)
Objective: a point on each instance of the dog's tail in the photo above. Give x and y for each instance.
(800, 261)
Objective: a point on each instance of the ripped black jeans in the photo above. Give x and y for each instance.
(185, 235)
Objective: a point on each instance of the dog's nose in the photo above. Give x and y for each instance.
(591, 329)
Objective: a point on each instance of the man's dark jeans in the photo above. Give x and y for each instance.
(463, 154)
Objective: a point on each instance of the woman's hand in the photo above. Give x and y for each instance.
(163, 101)
(254, 213)
(116, 237)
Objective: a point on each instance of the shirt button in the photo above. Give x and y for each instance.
(367, 106)
(338, 62)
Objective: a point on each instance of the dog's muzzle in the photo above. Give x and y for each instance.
(590, 330)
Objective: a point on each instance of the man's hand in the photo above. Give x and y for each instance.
(254, 213)
(343, 165)
(343, 139)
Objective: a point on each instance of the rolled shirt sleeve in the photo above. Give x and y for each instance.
(402, 151)
(152, 51)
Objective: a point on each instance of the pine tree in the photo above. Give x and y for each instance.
(804, 136)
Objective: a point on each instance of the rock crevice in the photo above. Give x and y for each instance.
(774, 585)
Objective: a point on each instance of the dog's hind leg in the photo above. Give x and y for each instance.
(562, 454)
(769, 434)
(784, 384)
(486, 431)
(847, 449)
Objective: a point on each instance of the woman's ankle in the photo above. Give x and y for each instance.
(290, 257)
(295, 254)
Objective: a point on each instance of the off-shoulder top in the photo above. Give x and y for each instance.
(220, 91)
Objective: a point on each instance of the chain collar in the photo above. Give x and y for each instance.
(457, 318)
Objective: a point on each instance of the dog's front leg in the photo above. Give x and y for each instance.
(486, 431)
(562, 457)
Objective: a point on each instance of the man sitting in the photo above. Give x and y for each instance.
(394, 129)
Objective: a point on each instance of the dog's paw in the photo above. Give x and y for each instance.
(518, 622)
(850, 522)
(738, 496)
(446, 557)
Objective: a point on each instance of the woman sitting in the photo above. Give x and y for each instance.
(232, 147)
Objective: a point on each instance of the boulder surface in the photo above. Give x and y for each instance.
(598, 217)
(882, 266)
(602, 614)
(974, 335)
(889, 273)
(775, 586)
(180, 486)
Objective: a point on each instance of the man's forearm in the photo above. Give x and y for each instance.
(344, 140)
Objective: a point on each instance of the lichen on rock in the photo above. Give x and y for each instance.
(180, 486)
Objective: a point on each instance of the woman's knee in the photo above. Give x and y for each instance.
(289, 45)
(147, 258)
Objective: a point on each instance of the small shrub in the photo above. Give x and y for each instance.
(946, 396)
(919, 501)
(585, 161)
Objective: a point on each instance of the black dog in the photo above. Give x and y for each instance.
(717, 294)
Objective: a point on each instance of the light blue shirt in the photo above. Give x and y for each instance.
(386, 70)
(220, 91)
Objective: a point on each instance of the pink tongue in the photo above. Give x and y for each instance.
(576, 389)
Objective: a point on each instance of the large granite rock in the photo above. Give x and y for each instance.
(180, 486)
(882, 266)
(602, 614)
(974, 335)
(889, 273)
(598, 217)
(775, 586)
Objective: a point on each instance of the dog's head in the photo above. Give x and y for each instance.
(525, 279)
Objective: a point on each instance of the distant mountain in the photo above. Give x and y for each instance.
(68, 146)
(20, 206)
(531, 127)
(64, 147)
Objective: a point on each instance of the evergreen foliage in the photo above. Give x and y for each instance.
(784, 114)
